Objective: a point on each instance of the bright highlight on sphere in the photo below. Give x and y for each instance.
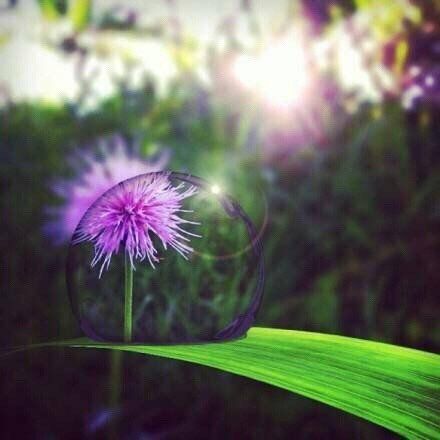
(215, 189)
(279, 73)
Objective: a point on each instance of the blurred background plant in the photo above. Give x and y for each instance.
(327, 107)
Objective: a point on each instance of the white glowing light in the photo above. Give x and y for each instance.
(215, 189)
(429, 81)
(415, 70)
(245, 69)
(279, 73)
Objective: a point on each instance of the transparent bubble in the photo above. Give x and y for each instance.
(210, 292)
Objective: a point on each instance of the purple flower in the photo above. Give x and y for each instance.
(127, 215)
(96, 172)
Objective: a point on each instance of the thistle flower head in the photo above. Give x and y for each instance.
(96, 172)
(128, 216)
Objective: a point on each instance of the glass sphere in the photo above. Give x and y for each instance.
(165, 258)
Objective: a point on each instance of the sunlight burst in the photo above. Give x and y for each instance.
(279, 73)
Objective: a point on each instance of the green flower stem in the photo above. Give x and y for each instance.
(128, 303)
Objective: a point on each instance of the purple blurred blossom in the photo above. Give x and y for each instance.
(96, 171)
(316, 12)
(421, 78)
(422, 85)
(127, 215)
(101, 418)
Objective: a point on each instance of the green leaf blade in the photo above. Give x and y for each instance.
(395, 387)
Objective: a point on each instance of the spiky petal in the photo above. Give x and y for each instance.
(126, 217)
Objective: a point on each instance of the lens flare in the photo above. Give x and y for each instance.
(278, 74)
(216, 189)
